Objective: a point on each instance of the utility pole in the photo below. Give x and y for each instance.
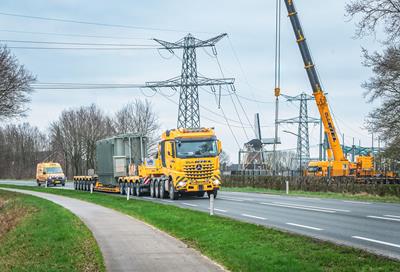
(303, 137)
(277, 90)
(189, 81)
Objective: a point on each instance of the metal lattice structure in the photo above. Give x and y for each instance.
(303, 139)
(189, 81)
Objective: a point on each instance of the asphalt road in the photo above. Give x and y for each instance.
(367, 225)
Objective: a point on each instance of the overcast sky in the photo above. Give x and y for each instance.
(250, 25)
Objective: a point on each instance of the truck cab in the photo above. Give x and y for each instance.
(189, 159)
(50, 172)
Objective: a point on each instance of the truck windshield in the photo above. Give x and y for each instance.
(53, 170)
(203, 148)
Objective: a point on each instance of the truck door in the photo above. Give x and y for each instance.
(163, 162)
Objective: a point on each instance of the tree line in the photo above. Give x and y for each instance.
(71, 139)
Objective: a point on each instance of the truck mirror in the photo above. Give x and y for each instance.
(219, 145)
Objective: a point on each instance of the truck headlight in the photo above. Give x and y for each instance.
(217, 182)
(181, 184)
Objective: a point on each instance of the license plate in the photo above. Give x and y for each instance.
(56, 181)
(200, 187)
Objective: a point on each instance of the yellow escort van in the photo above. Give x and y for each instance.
(50, 172)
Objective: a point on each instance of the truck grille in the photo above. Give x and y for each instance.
(199, 170)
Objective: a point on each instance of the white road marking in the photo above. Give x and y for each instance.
(253, 216)
(357, 202)
(166, 200)
(376, 241)
(384, 218)
(232, 199)
(188, 204)
(303, 226)
(296, 207)
(395, 216)
(146, 197)
(219, 210)
(308, 198)
(312, 207)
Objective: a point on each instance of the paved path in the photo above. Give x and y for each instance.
(128, 244)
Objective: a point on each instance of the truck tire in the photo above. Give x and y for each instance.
(152, 191)
(163, 193)
(157, 188)
(215, 192)
(173, 195)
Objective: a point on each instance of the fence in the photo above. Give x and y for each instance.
(373, 186)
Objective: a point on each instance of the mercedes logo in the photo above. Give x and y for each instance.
(199, 167)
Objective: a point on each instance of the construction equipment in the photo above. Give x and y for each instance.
(187, 162)
(49, 173)
(337, 164)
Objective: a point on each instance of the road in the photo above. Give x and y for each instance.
(367, 225)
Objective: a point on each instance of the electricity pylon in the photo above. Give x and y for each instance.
(303, 138)
(189, 81)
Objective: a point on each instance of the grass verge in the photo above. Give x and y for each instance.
(38, 235)
(237, 245)
(360, 197)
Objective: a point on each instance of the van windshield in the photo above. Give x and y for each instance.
(53, 170)
(196, 149)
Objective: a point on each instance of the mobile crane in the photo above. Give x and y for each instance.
(337, 164)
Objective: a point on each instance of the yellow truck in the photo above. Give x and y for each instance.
(50, 173)
(186, 163)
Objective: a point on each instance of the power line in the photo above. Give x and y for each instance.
(75, 43)
(94, 23)
(80, 48)
(72, 35)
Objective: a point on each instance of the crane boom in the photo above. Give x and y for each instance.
(335, 148)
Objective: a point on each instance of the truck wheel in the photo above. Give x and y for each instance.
(173, 195)
(152, 191)
(162, 189)
(215, 192)
(157, 188)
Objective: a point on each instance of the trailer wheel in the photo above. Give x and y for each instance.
(173, 195)
(132, 188)
(162, 189)
(152, 191)
(157, 188)
(138, 189)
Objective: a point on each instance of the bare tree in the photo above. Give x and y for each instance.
(21, 148)
(14, 86)
(75, 134)
(138, 117)
(372, 16)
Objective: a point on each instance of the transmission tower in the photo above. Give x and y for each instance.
(303, 139)
(189, 81)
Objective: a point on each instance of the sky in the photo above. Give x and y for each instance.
(247, 55)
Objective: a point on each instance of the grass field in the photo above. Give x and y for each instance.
(37, 235)
(241, 246)
(361, 197)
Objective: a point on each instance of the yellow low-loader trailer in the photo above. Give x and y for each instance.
(186, 162)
